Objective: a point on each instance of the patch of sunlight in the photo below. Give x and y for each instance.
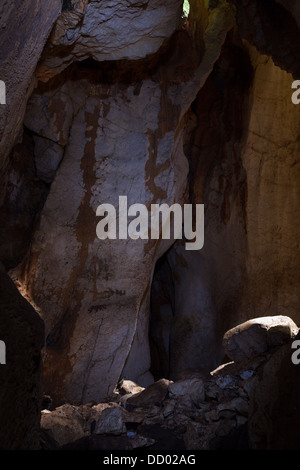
(186, 8)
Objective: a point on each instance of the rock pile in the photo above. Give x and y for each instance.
(217, 412)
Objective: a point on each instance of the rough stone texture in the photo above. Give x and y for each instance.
(274, 404)
(65, 424)
(244, 168)
(24, 29)
(258, 335)
(94, 298)
(68, 423)
(239, 406)
(111, 422)
(25, 195)
(121, 138)
(111, 30)
(127, 386)
(192, 387)
(187, 112)
(270, 157)
(48, 155)
(195, 296)
(154, 394)
(22, 331)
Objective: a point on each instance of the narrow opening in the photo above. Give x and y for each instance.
(161, 319)
(185, 9)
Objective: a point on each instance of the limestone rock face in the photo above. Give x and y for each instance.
(272, 209)
(128, 98)
(247, 175)
(257, 335)
(24, 31)
(98, 289)
(121, 136)
(111, 31)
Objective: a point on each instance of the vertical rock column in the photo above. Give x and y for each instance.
(123, 138)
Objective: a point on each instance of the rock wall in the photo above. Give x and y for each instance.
(242, 153)
(121, 103)
(24, 31)
(116, 132)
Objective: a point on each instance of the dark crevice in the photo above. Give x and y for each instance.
(272, 30)
(24, 200)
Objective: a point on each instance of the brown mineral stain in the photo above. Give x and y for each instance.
(58, 363)
(167, 122)
(85, 225)
(56, 108)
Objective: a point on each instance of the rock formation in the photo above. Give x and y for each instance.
(235, 407)
(134, 98)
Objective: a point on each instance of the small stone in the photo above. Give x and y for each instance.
(246, 374)
(225, 381)
(238, 405)
(168, 409)
(141, 441)
(65, 423)
(225, 427)
(127, 387)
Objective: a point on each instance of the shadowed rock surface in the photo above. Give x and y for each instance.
(22, 331)
(239, 406)
(133, 98)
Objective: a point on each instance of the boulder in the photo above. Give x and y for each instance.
(128, 387)
(274, 410)
(257, 336)
(152, 395)
(120, 30)
(191, 387)
(69, 423)
(112, 421)
(65, 424)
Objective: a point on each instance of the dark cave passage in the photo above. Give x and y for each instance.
(161, 318)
